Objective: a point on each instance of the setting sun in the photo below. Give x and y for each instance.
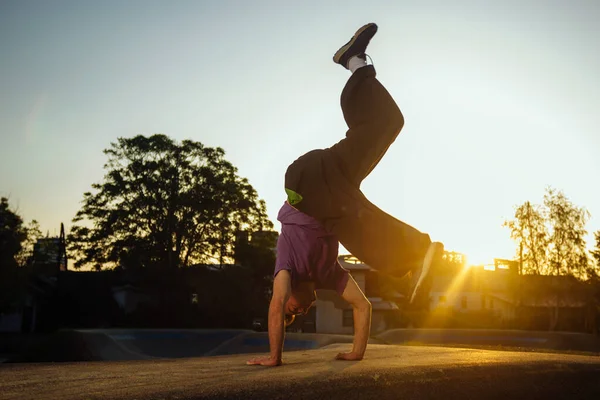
(476, 258)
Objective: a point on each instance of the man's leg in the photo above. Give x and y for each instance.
(387, 244)
(378, 239)
(374, 121)
(326, 182)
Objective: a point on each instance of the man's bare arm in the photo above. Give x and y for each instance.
(282, 288)
(362, 320)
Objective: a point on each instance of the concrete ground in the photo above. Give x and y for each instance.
(387, 372)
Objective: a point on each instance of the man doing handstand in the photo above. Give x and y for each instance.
(325, 207)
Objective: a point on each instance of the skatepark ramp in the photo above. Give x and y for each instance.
(563, 341)
(149, 344)
(146, 344)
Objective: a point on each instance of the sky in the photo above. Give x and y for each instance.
(500, 99)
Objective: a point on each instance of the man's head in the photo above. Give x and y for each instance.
(300, 301)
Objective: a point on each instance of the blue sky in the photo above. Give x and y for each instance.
(500, 98)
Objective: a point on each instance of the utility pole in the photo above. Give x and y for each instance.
(61, 258)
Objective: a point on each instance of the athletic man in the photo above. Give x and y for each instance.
(325, 207)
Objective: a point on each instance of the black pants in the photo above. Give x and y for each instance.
(329, 181)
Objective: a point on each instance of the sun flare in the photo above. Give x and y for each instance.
(476, 258)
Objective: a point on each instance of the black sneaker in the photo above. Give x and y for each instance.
(419, 282)
(356, 46)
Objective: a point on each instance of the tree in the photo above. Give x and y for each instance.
(164, 204)
(552, 237)
(12, 235)
(33, 233)
(567, 251)
(529, 230)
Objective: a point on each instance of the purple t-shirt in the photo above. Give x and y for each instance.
(308, 251)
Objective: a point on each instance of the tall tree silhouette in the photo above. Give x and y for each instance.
(12, 236)
(164, 204)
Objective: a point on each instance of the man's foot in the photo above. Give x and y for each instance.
(419, 283)
(356, 46)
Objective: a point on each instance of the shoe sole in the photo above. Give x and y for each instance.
(338, 55)
(427, 262)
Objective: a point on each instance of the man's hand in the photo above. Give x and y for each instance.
(351, 356)
(264, 361)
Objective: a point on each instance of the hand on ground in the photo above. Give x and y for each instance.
(352, 356)
(264, 361)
